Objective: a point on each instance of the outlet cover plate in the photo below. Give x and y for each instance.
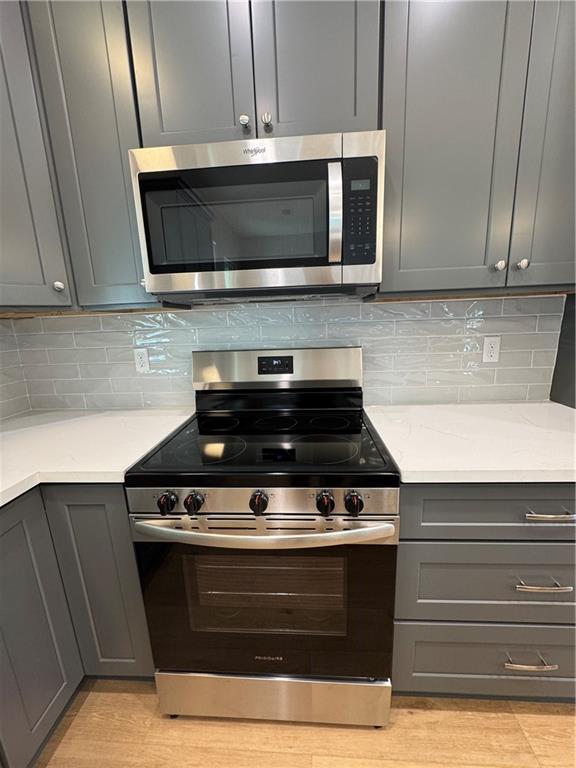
(491, 349)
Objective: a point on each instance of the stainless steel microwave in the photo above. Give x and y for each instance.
(262, 217)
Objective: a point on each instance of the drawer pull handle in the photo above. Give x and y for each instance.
(564, 517)
(557, 588)
(544, 667)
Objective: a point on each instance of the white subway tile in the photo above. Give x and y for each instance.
(514, 392)
(534, 305)
(132, 400)
(524, 375)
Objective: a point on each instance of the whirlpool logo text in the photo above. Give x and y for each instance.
(253, 151)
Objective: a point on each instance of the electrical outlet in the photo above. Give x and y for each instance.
(142, 361)
(491, 349)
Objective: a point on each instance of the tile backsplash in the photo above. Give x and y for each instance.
(414, 351)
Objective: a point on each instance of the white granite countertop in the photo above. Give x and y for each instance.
(78, 446)
(492, 443)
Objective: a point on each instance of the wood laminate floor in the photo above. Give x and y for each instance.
(116, 724)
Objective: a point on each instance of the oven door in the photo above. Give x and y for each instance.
(239, 217)
(324, 611)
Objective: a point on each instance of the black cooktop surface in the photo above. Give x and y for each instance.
(288, 448)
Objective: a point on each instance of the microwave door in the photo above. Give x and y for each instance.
(243, 227)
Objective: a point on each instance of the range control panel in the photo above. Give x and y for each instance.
(284, 364)
(360, 189)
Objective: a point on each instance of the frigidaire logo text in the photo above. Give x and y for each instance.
(253, 151)
(269, 658)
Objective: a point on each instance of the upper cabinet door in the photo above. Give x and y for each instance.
(32, 270)
(316, 65)
(454, 78)
(542, 250)
(193, 68)
(84, 68)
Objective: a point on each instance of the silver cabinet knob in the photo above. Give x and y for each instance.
(244, 120)
(500, 266)
(58, 286)
(267, 119)
(523, 264)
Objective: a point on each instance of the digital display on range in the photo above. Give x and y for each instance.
(360, 185)
(276, 364)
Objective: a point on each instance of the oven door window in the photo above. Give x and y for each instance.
(236, 218)
(322, 612)
(247, 594)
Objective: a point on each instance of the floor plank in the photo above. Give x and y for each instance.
(550, 731)
(117, 724)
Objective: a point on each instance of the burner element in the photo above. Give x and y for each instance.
(330, 422)
(277, 422)
(219, 450)
(220, 423)
(325, 449)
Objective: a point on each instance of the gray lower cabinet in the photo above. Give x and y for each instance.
(525, 511)
(543, 230)
(39, 657)
(85, 73)
(486, 581)
(316, 65)
(32, 266)
(91, 532)
(529, 660)
(453, 86)
(485, 590)
(193, 70)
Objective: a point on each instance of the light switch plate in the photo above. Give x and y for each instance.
(491, 349)
(142, 360)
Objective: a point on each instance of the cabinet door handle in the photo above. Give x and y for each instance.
(58, 286)
(523, 264)
(244, 121)
(500, 266)
(267, 120)
(544, 667)
(543, 590)
(565, 517)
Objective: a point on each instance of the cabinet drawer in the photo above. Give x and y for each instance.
(471, 659)
(493, 512)
(457, 581)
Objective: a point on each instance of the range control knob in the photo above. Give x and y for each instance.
(258, 502)
(194, 502)
(167, 502)
(353, 503)
(325, 503)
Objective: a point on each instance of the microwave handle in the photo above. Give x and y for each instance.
(335, 206)
(237, 541)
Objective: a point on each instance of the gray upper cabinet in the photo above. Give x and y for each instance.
(39, 658)
(84, 67)
(454, 78)
(316, 65)
(193, 68)
(91, 532)
(32, 266)
(543, 230)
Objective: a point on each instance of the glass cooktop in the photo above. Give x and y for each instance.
(283, 444)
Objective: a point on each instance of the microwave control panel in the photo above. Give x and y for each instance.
(360, 188)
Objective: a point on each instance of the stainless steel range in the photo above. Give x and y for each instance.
(265, 532)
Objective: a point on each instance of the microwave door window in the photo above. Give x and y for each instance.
(193, 226)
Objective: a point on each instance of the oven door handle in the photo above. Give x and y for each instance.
(298, 541)
(335, 205)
